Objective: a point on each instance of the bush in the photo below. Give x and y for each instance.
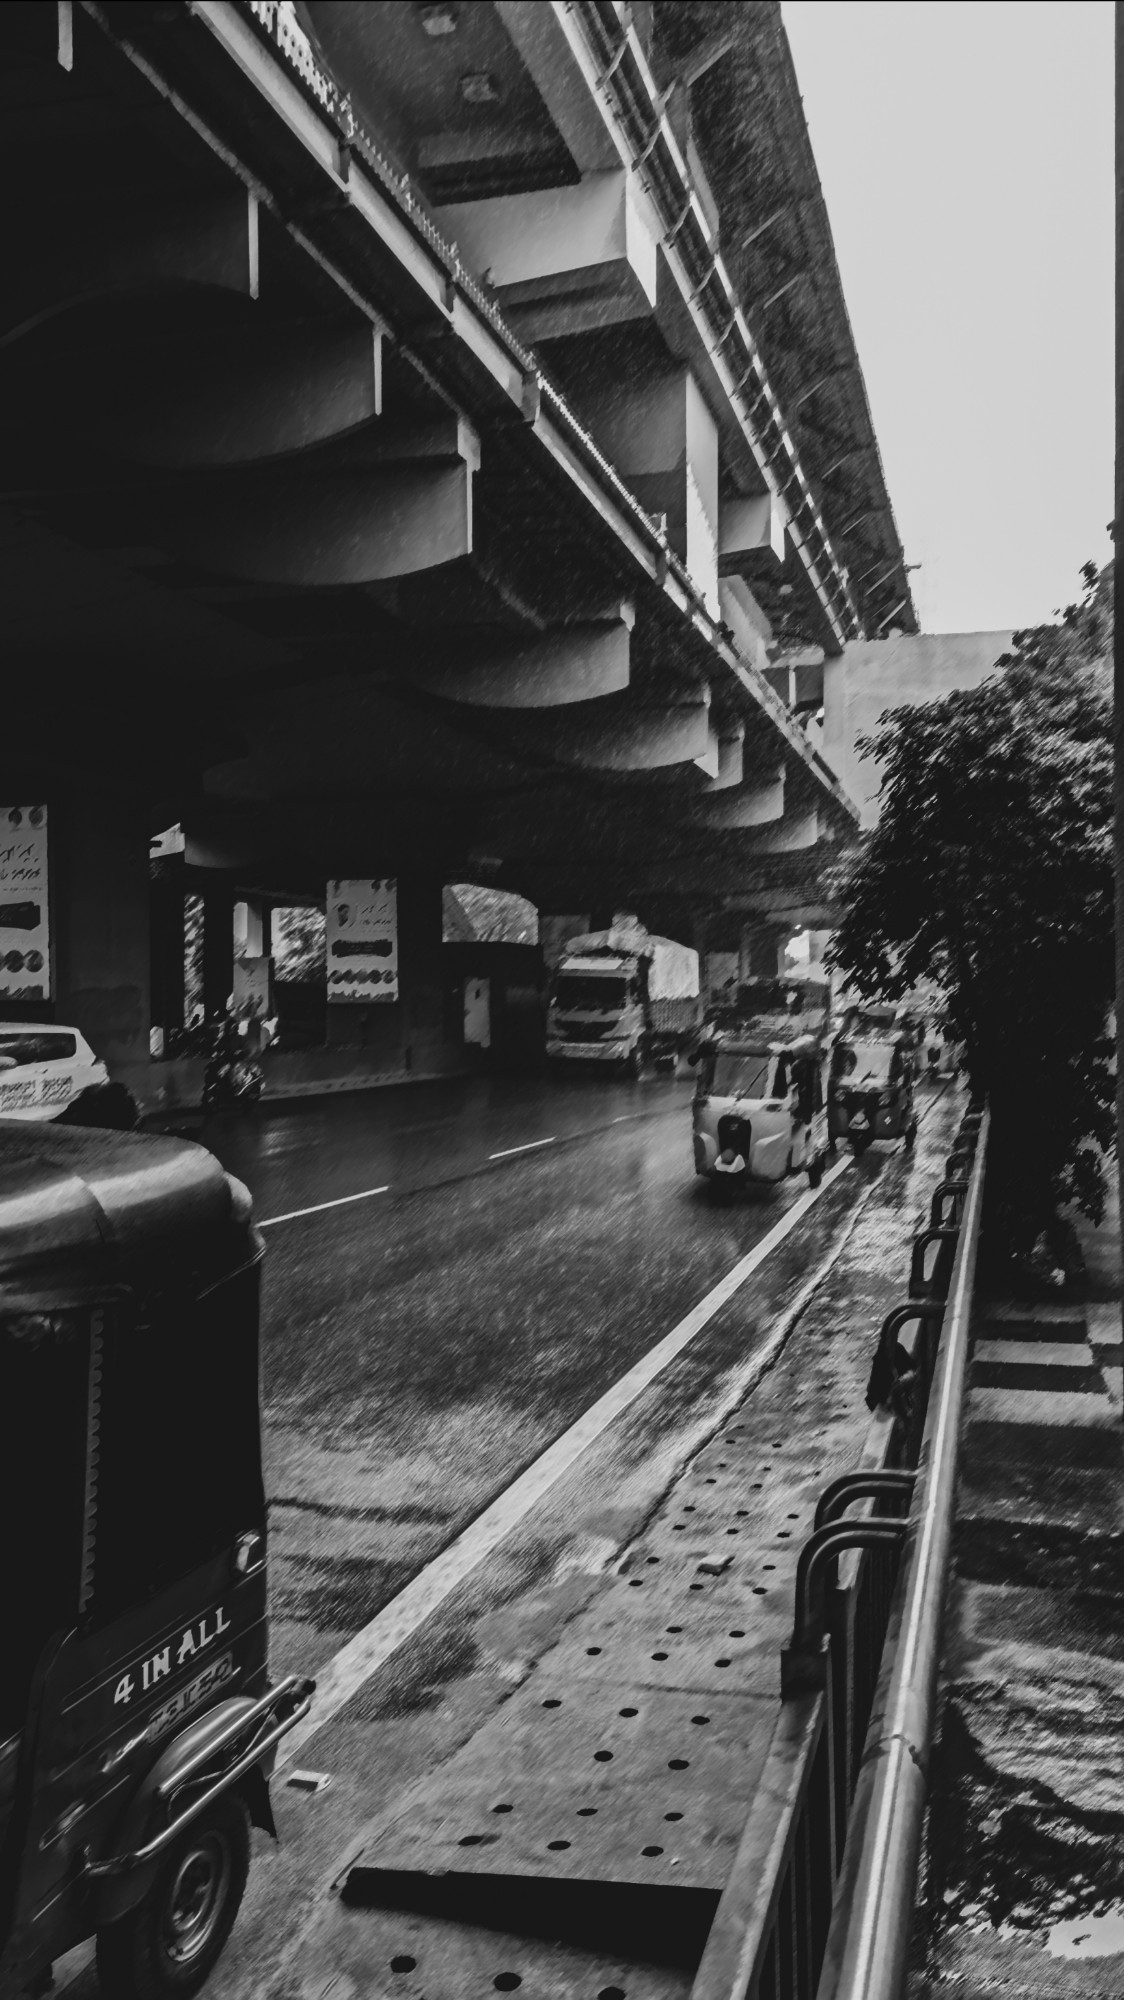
(991, 871)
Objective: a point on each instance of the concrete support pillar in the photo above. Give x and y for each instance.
(249, 927)
(761, 951)
(102, 896)
(413, 1035)
(166, 936)
(818, 942)
(218, 947)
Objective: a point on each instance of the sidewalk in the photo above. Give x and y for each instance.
(1023, 1893)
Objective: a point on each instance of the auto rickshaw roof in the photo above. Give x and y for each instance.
(73, 1195)
(871, 1035)
(788, 1037)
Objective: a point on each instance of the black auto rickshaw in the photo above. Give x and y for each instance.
(137, 1720)
(870, 1087)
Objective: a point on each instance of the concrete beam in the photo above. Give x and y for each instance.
(563, 260)
(129, 246)
(660, 433)
(810, 683)
(790, 836)
(579, 663)
(749, 525)
(669, 739)
(260, 393)
(541, 39)
(741, 612)
(756, 804)
(404, 510)
(731, 759)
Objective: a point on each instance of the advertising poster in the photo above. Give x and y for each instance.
(362, 939)
(25, 947)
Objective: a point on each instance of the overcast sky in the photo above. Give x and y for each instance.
(965, 151)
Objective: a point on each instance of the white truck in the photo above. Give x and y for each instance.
(622, 998)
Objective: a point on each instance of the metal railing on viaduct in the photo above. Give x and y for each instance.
(820, 1898)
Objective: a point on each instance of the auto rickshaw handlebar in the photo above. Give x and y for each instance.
(294, 1694)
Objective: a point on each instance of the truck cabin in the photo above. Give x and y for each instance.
(597, 989)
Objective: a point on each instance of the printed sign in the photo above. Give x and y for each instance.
(25, 951)
(362, 940)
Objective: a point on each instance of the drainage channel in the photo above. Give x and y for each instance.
(578, 1842)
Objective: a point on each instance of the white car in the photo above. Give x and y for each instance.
(46, 1070)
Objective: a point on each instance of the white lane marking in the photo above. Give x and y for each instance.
(318, 1208)
(508, 1153)
(389, 1630)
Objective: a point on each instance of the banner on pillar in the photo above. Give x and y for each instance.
(25, 933)
(362, 938)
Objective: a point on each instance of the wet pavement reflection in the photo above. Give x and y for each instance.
(423, 1345)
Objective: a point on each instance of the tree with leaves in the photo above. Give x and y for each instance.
(991, 871)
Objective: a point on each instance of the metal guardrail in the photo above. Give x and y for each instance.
(868, 1943)
(820, 1895)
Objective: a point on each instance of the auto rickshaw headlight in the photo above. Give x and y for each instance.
(249, 1552)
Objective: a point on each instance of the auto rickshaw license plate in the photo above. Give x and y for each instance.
(204, 1684)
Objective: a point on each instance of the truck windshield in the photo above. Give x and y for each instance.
(592, 994)
(44, 1376)
(741, 1075)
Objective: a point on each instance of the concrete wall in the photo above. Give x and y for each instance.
(874, 675)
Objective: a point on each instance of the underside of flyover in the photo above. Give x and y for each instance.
(285, 563)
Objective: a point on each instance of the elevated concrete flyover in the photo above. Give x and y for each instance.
(336, 576)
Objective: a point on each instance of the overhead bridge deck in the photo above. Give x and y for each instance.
(577, 1833)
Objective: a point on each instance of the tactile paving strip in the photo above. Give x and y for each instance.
(590, 1779)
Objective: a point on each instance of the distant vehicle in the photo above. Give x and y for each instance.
(870, 1093)
(758, 1113)
(623, 998)
(51, 1072)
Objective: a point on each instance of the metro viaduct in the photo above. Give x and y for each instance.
(394, 484)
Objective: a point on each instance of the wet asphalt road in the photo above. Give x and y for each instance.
(423, 1345)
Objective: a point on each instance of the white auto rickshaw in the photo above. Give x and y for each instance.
(759, 1111)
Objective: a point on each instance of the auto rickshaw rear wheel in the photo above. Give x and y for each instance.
(167, 1947)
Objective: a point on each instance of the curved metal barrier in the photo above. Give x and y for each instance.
(819, 1899)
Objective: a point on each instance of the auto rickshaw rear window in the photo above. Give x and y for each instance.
(179, 1463)
(861, 1062)
(44, 1379)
